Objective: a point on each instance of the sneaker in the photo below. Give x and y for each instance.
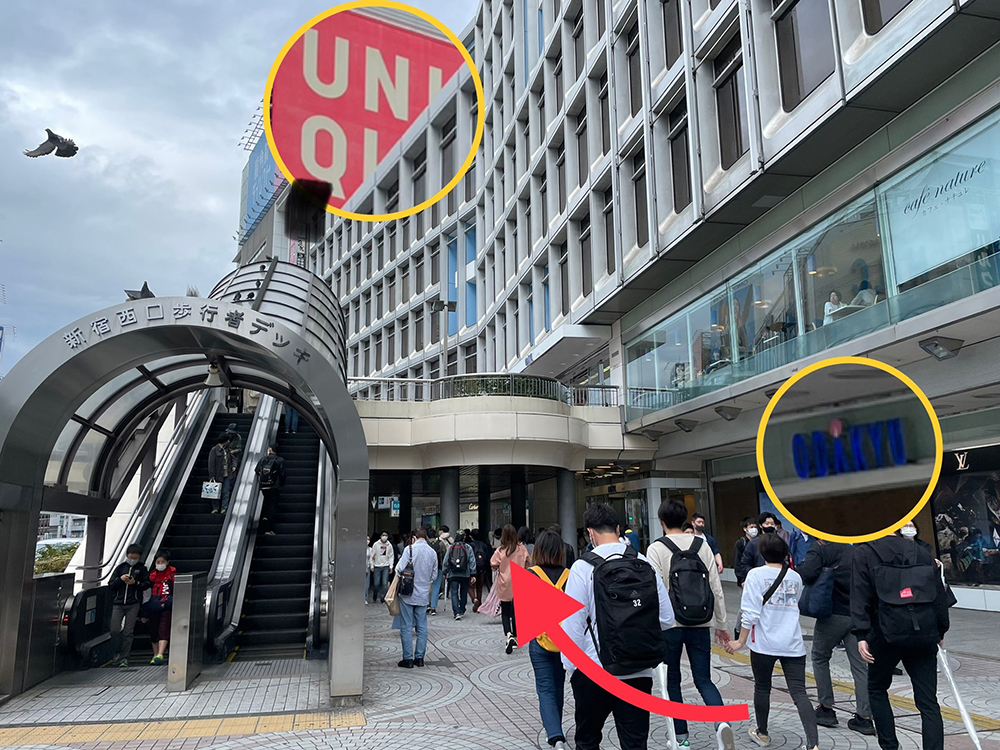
(405, 663)
(761, 739)
(215, 511)
(269, 533)
(511, 642)
(684, 744)
(458, 617)
(475, 606)
(826, 717)
(560, 745)
(433, 611)
(157, 660)
(223, 511)
(418, 662)
(862, 725)
(123, 663)
(724, 738)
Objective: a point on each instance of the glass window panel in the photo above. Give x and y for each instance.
(66, 437)
(805, 50)
(82, 469)
(709, 341)
(110, 419)
(97, 398)
(877, 13)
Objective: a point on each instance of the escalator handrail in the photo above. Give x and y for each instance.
(319, 580)
(170, 474)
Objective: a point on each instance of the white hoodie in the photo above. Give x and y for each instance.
(382, 554)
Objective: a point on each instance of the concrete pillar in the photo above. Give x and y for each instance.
(97, 530)
(405, 503)
(449, 498)
(485, 489)
(518, 496)
(18, 532)
(566, 505)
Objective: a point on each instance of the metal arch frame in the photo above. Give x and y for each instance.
(43, 392)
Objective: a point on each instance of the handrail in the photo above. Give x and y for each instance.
(481, 384)
(165, 480)
(319, 590)
(231, 571)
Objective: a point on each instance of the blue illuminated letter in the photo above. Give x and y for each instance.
(819, 453)
(897, 445)
(800, 454)
(840, 465)
(858, 448)
(875, 435)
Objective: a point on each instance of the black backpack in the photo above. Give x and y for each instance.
(481, 559)
(458, 558)
(627, 608)
(268, 474)
(690, 592)
(906, 586)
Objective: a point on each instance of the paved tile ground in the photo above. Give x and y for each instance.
(470, 695)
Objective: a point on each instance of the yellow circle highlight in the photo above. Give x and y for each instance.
(938, 448)
(477, 82)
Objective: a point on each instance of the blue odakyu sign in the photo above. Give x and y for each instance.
(842, 450)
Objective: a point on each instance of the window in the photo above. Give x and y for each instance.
(347, 279)
(379, 254)
(471, 311)
(405, 284)
(390, 345)
(674, 43)
(378, 353)
(418, 330)
(419, 190)
(730, 98)
(602, 18)
(680, 170)
(391, 241)
(448, 168)
(543, 204)
(368, 262)
(540, 106)
(641, 205)
(557, 73)
(418, 274)
(564, 279)
(368, 308)
(605, 114)
(531, 314)
(579, 44)
(366, 357)
(547, 311)
(583, 161)
(379, 302)
(541, 30)
(356, 362)
(561, 176)
(634, 68)
(357, 315)
(470, 243)
(470, 359)
(404, 337)
(435, 325)
(435, 266)
(392, 291)
(586, 259)
(609, 230)
(877, 13)
(452, 366)
(805, 50)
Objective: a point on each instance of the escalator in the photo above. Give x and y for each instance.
(275, 614)
(193, 533)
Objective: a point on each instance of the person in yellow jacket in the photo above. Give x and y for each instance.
(548, 562)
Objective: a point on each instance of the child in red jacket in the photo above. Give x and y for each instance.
(161, 580)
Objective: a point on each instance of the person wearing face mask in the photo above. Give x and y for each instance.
(368, 566)
(382, 556)
(158, 608)
(767, 522)
(698, 521)
(750, 532)
(128, 580)
(911, 531)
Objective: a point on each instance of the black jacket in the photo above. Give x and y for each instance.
(864, 600)
(279, 471)
(738, 550)
(218, 463)
(128, 594)
(749, 560)
(830, 555)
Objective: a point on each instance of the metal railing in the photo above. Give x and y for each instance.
(487, 384)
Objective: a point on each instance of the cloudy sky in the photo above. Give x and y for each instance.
(157, 97)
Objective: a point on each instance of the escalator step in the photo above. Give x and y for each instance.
(287, 635)
(283, 564)
(275, 621)
(288, 606)
(263, 591)
(280, 578)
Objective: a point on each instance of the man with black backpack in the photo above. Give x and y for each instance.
(460, 570)
(899, 609)
(625, 609)
(687, 566)
(270, 471)
(483, 553)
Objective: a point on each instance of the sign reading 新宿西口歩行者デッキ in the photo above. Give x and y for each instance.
(869, 446)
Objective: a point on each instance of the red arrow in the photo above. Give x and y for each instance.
(541, 608)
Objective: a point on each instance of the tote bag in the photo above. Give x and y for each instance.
(392, 597)
(491, 604)
(211, 490)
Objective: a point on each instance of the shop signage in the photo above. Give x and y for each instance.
(840, 451)
(394, 510)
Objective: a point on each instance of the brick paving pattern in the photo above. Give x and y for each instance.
(470, 695)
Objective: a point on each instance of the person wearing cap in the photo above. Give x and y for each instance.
(270, 471)
(235, 448)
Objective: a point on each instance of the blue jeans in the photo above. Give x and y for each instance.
(550, 679)
(698, 642)
(380, 582)
(368, 582)
(291, 419)
(411, 616)
(459, 594)
(224, 491)
(436, 589)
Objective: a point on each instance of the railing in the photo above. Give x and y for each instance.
(491, 384)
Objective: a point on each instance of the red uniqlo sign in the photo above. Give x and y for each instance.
(346, 92)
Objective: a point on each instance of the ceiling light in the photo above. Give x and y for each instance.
(686, 424)
(728, 413)
(941, 347)
(651, 435)
(213, 380)
(987, 396)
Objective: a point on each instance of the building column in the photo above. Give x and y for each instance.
(566, 505)
(518, 497)
(405, 503)
(485, 490)
(97, 530)
(449, 498)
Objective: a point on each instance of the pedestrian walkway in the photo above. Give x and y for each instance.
(470, 694)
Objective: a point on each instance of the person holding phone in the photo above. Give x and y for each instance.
(128, 580)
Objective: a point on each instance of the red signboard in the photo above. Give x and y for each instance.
(346, 92)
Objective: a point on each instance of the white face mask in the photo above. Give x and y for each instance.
(385, 539)
(133, 561)
(752, 532)
(908, 531)
(161, 566)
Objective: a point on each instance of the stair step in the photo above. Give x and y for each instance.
(281, 578)
(269, 637)
(280, 606)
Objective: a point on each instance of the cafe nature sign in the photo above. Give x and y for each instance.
(842, 450)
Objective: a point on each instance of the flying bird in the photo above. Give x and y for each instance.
(55, 142)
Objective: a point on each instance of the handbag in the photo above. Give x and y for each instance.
(391, 598)
(406, 584)
(491, 604)
(211, 490)
(816, 599)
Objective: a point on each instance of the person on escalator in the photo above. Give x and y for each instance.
(157, 609)
(219, 470)
(270, 471)
(235, 448)
(128, 580)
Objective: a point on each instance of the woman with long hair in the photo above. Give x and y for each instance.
(527, 538)
(549, 563)
(510, 550)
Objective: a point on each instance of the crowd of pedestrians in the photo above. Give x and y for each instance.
(885, 602)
